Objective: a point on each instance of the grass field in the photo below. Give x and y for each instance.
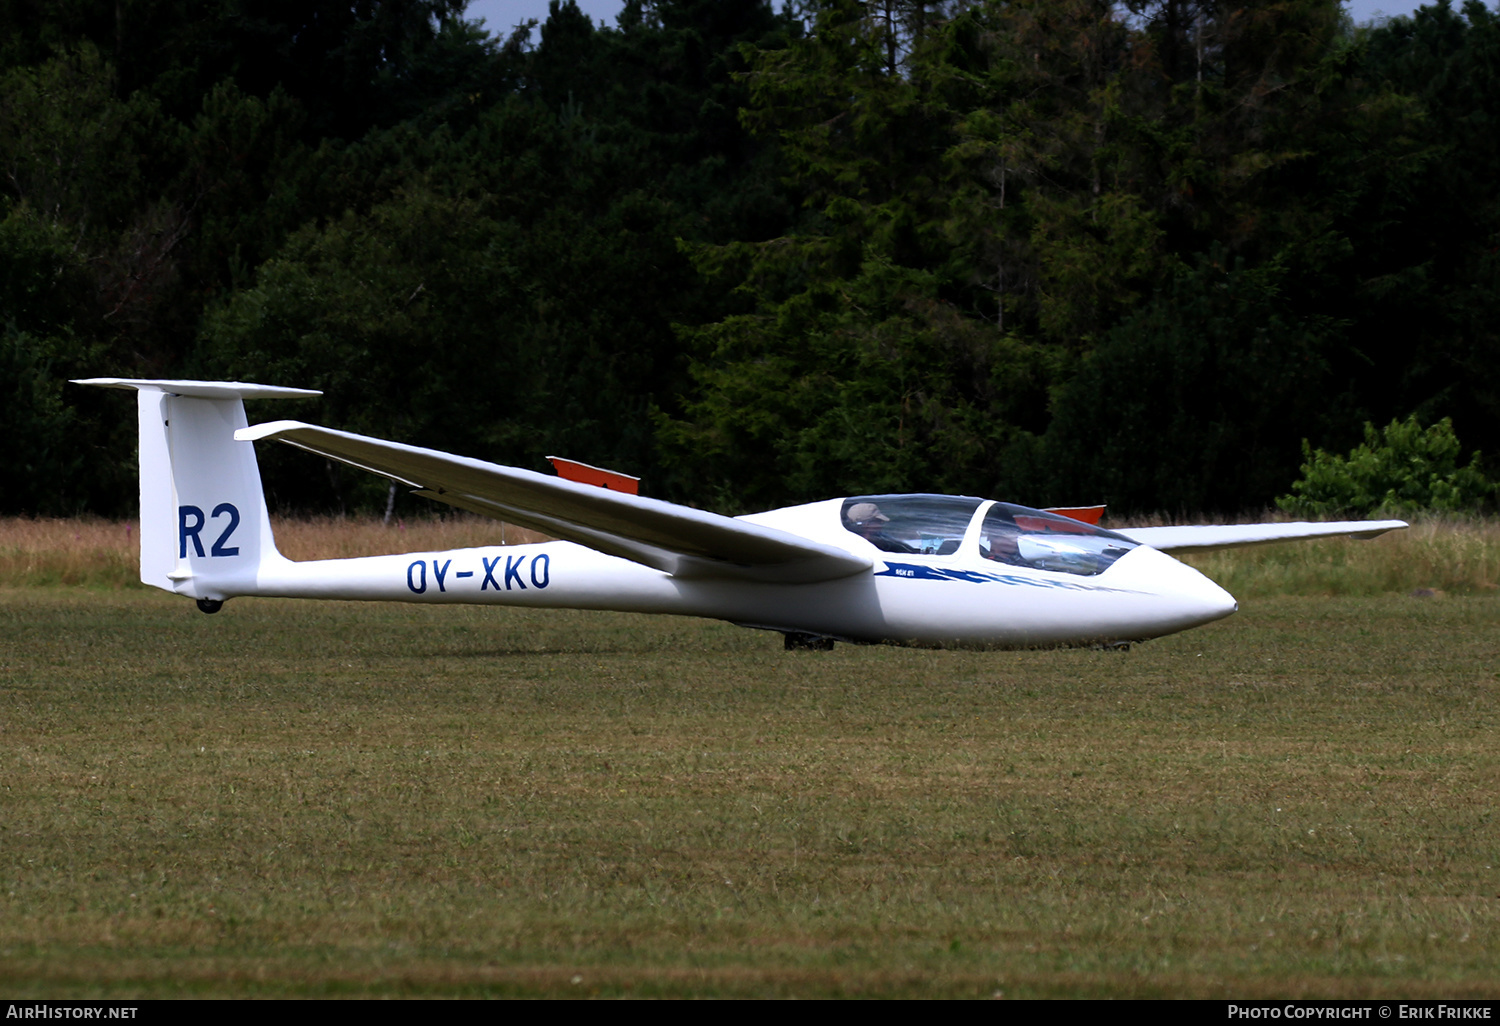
(329, 799)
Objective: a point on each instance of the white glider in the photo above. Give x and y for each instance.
(910, 569)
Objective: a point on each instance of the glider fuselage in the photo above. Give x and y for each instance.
(957, 599)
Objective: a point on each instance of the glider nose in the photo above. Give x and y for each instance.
(1208, 601)
(1183, 597)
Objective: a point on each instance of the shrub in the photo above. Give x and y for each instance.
(1401, 469)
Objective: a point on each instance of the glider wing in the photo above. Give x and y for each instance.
(676, 539)
(1230, 536)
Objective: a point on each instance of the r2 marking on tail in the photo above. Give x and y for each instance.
(186, 530)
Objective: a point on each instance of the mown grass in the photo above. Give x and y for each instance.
(326, 799)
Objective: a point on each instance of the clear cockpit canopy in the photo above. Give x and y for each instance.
(935, 525)
(927, 525)
(1032, 537)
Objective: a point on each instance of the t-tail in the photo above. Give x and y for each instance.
(205, 531)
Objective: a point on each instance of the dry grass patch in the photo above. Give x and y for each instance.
(82, 551)
(1436, 555)
(95, 553)
(340, 537)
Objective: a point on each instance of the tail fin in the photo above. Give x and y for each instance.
(205, 531)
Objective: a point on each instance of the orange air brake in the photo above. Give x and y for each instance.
(1088, 514)
(572, 470)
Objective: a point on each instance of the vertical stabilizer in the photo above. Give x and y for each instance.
(205, 531)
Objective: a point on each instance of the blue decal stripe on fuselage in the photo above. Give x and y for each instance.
(923, 572)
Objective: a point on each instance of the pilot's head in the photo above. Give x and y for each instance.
(866, 518)
(1002, 546)
(1000, 539)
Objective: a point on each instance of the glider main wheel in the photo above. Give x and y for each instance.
(799, 642)
(210, 605)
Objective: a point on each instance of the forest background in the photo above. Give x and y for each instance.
(1057, 252)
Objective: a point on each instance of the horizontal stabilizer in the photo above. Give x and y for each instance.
(1230, 536)
(675, 539)
(202, 389)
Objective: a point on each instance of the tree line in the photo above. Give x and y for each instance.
(1052, 251)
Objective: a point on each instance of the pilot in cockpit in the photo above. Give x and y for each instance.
(999, 540)
(866, 520)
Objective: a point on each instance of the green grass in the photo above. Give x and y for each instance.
(328, 799)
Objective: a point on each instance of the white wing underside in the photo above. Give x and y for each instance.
(1230, 536)
(675, 539)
